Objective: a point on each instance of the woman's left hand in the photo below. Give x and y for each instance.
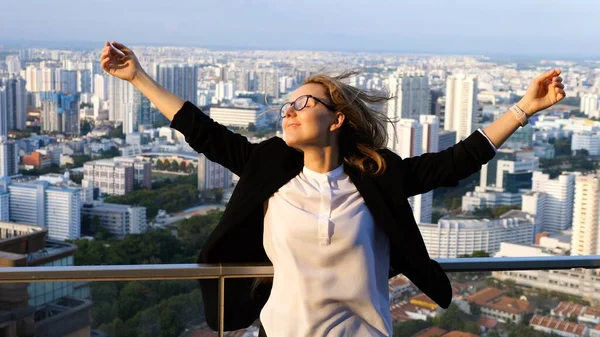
(544, 91)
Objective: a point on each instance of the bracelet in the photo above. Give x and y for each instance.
(520, 115)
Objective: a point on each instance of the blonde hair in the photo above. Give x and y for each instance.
(364, 129)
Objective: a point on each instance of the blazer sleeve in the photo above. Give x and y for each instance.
(421, 174)
(212, 139)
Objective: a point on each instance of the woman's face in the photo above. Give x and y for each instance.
(314, 125)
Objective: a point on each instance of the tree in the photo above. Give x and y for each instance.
(160, 165)
(410, 328)
(562, 147)
(86, 126)
(132, 297)
(117, 132)
(174, 166)
(251, 127)
(183, 166)
(194, 232)
(475, 309)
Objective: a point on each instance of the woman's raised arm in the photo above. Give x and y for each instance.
(128, 68)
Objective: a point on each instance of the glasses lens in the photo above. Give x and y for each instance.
(300, 102)
(284, 108)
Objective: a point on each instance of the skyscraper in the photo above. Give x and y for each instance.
(128, 105)
(560, 192)
(84, 81)
(13, 102)
(9, 157)
(411, 96)
(101, 86)
(56, 208)
(584, 240)
(33, 78)
(60, 112)
(181, 79)
(66, 81)
(119, 94)
(3, 111)
(138, 112)
(13, 64)
(461, 102)
(409, 143)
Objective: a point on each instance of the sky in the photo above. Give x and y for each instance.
(544, 28)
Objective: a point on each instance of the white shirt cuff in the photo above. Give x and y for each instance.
(486, 137)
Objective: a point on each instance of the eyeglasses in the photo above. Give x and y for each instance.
(300, 103)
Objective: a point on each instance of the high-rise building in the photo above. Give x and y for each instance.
(446, 139)
(119, 220)
(268, 82)
(461, 102)
(9, 157)
(138, 113)
(84, 81)
(33, 78)
(120, 94)
(48, 80)
(142, 174)
(586, 141)
(13, 108)
(590, 105)
(411, 96)
(224, 90)
(66, 81)
(452, 237)
(60, 112)
(586, 233)
(13, 64)
(235, 115)
(57, 209)
(101, 86)
(558, 214)
(408, 142)
(212, 175)
(111, 177)
(128, 105)
(423, 204)
(181, 79)
(3, 111)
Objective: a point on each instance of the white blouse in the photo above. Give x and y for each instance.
(330, 260)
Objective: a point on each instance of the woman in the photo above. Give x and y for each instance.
(327, 205)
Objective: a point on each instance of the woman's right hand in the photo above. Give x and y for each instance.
(124, 67)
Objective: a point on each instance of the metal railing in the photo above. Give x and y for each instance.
(223, 271)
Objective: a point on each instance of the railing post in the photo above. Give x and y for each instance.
(221, 306)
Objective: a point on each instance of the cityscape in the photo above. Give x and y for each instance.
(92, 174)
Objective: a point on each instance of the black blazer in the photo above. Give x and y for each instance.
(264, 167)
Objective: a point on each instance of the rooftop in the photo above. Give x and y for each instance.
(558, 324)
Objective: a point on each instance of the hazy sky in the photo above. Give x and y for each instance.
(511, 27)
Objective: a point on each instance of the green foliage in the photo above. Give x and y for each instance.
(493, 213)
(194, 231)
(38, 172)
(80, 159)
(170, 197)
(562, 147)
(117, 132)
(410, 328)
(148, 308)
(579, 162)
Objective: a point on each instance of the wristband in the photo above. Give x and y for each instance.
(520, 115)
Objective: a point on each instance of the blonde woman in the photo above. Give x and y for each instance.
(326, 204)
